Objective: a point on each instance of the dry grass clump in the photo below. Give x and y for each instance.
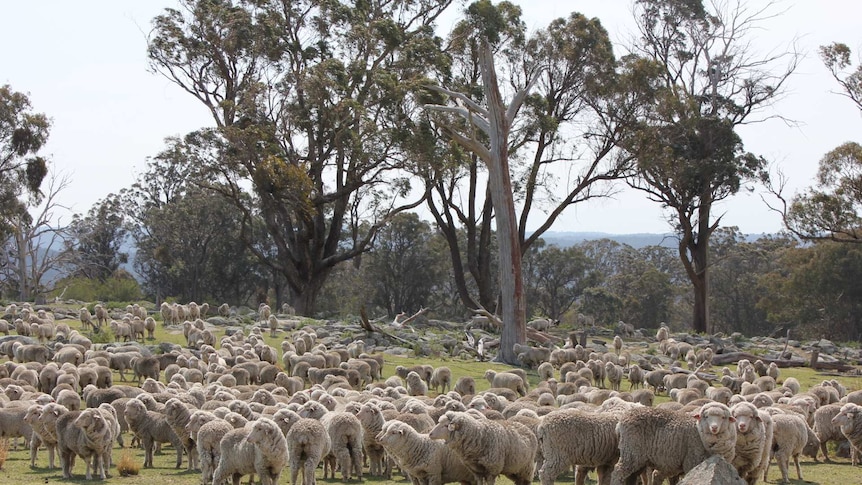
(4, 451)
(127, 465)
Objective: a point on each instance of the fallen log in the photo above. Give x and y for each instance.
(733, 357)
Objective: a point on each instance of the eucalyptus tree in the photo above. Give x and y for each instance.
(707, 80)
(95, 244)
(832, 208)
(555, 278)
(310, 104)
(558, 151)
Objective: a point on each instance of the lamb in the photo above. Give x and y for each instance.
(849, 418)
(670, 441)
(824, 428)
(441, 379)
(86, 434)
(424, 459)
(489, 448)
(506, 380)
(258, 448)
(789, 439)
(307, 444)
(751, 445)
(597, 444)
(151, 427)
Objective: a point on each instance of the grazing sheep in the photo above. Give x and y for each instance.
(489, 448)
(597, 444)
(506, 380)
(151, 427)
(531, 356)
(441, 379)
(669, 441)
(424, 459)
(145, 367)
(307, 443)
(545, 371)
(259, 448)
(751, 444)
(849, 418)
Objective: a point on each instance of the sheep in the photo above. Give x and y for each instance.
(415, 385)
(789, 439)
(224, 310)
(177, 416)
(150, 327)
(531, 356)
(43, 421)
(207, 439)
(372, 420)
(307, 443)
(506, 380)
(751, 445)
(489, 448)
(824, 429)
(12, 424)
(86, 434)
(145, 367)
(465, 386)
(86, 318)
(669, 441)
(849, 418)
(345, 434)
(151, 427)
(258, 448)
(618, 344)
(31, 353)
(441, 379)
(596, 446)
(542, 324)
(614, 373)
(424, 459)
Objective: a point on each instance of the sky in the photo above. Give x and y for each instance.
(84, 65)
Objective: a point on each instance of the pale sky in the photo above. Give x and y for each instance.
(84, 65)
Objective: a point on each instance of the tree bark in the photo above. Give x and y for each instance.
(514, 308)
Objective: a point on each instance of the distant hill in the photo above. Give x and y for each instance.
(637, 241)
(566, 239)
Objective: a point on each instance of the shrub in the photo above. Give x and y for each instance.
(101, 336)
(127, 465)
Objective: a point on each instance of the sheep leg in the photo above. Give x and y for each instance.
(604, 474)
(51, 451)
(179, 448)
(34, 447)
(551, 470)
(825, 453)
(581, 473)
(798, 469)
(783, 464)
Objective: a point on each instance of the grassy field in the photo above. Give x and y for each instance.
(16, 469)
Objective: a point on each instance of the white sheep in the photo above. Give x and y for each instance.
(489, 448)
(424, 459)
(671, 442)
(596, 445)
(825, 429)
(849, 418)
(750, 441)
(307, 443)
(259, 448)
(791, 436)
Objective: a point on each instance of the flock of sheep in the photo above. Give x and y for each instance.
(228, 409)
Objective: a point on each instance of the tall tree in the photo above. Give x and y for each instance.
(309, 99)
(556, 278)
(96, 240)
(708, 80)
(832, 208)
(35, 247)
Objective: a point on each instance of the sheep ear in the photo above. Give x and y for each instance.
(732, 419)
(400, 431)
(696, 416)
(758, 418)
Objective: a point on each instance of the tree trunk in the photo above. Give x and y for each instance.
(23, 280)
(514, 309)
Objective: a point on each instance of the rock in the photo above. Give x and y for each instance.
(218, 321)
(826, 346)
(713, 471)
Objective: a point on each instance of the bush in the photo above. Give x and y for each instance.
(127, 465)
(101, 336)
(85, 289)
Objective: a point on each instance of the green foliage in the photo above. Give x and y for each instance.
(103, 336)
(117, 288)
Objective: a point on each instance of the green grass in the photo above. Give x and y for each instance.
(17, 469)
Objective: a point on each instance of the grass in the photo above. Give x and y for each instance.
(18, 472)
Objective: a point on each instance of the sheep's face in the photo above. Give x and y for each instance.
(393, 433)
(440, 431)
(263, 432)
(746, 416)
(33, 414)
(714, 419)
(846, 416)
